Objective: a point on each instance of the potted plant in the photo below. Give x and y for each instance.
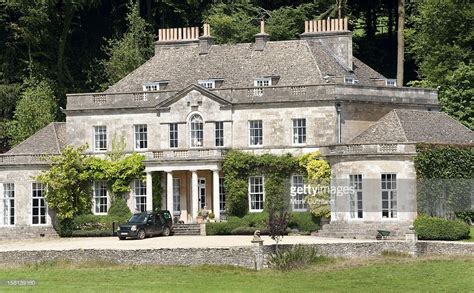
(200, 217)
(212, 217)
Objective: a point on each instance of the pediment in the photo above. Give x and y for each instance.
(193, 100)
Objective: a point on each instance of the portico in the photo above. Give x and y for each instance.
(187, 188)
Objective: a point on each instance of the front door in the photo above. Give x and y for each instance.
(202, 192)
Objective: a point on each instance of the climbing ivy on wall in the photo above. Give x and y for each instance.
(70, 175)
(238, 166)
(445, 177)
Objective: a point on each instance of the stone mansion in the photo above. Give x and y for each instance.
(194, 100)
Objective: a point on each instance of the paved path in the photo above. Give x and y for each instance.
(155, 242)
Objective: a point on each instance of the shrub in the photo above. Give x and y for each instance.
(303, 221)
(119, 211)
(299, 256)
(92, 233)
(244, 231)
(434, 228)
(65, 227)
(224, 228)
(90, 222)
(466, 216)
(257, 220)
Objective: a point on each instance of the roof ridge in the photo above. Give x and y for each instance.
(56, 136)
(331, 53)
(314, 59)
(400, 123)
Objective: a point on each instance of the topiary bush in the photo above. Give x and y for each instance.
(303, 221)
(434, 228)
(119, 211)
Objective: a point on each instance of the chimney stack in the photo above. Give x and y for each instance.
(176, 37)
(261, 38)
(206, 40)
(334, 34)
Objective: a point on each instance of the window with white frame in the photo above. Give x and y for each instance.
(100, 138)
(151, 87)
(7, 202)
(173, 135)
(38, 205)
(139, 189)
(141, 137)
(389, 195)
(197, 130)
(391, 82)
(202, 192)
(176, 195)
(255, 132)
(356, 207)
(298, 201)
(100, 198)
(299, 131)
(262, 82)
(219, 133)
(208, 83)
(256, 193)
(221, 195)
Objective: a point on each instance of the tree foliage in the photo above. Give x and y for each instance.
(36, 109)
(68, 183)
(441, 44)
(70, 176)
(126, 53)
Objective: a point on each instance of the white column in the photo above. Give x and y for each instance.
(149, 191)
(215, 194)
(194, 195)
(169, 191)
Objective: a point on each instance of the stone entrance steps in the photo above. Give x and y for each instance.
(364, 230)
(187, 229)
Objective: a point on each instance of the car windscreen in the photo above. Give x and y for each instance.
(138, 218)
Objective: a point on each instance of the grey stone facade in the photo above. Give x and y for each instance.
(315, 78)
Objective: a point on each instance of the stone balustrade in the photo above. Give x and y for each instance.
(6, 160)
(179, 154)
(330, 91)
(368, 149)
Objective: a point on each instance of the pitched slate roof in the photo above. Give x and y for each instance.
(416, 126)
(295, 62)
(48, 140)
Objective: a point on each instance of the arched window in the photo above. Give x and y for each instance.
(196, 129)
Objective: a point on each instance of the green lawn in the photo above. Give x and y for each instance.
(393, 274)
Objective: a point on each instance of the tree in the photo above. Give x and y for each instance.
(401, 42)
(68, 183)
(277, 203)
(35, 109)
(125, 54)
(441, 44)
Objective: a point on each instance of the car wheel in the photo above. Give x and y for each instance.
(121, 238)
(166, 231)
(141, 234)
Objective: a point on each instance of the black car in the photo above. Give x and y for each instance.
(146, 224)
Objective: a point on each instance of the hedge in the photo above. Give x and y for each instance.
(247, 225)
(434, 228)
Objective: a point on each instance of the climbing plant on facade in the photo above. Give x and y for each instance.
(318, 176)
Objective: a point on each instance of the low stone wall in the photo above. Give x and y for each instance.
(27, 232)
(245, 256)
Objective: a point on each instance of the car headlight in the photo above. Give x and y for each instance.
(134, 228)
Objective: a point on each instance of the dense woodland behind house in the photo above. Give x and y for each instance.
(49, 48)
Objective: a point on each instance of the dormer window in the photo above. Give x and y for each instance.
(155, 86)
(350, 79)
(391, 82)
(208, 83)
(262, 82)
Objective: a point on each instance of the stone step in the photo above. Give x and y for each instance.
(187, 229)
